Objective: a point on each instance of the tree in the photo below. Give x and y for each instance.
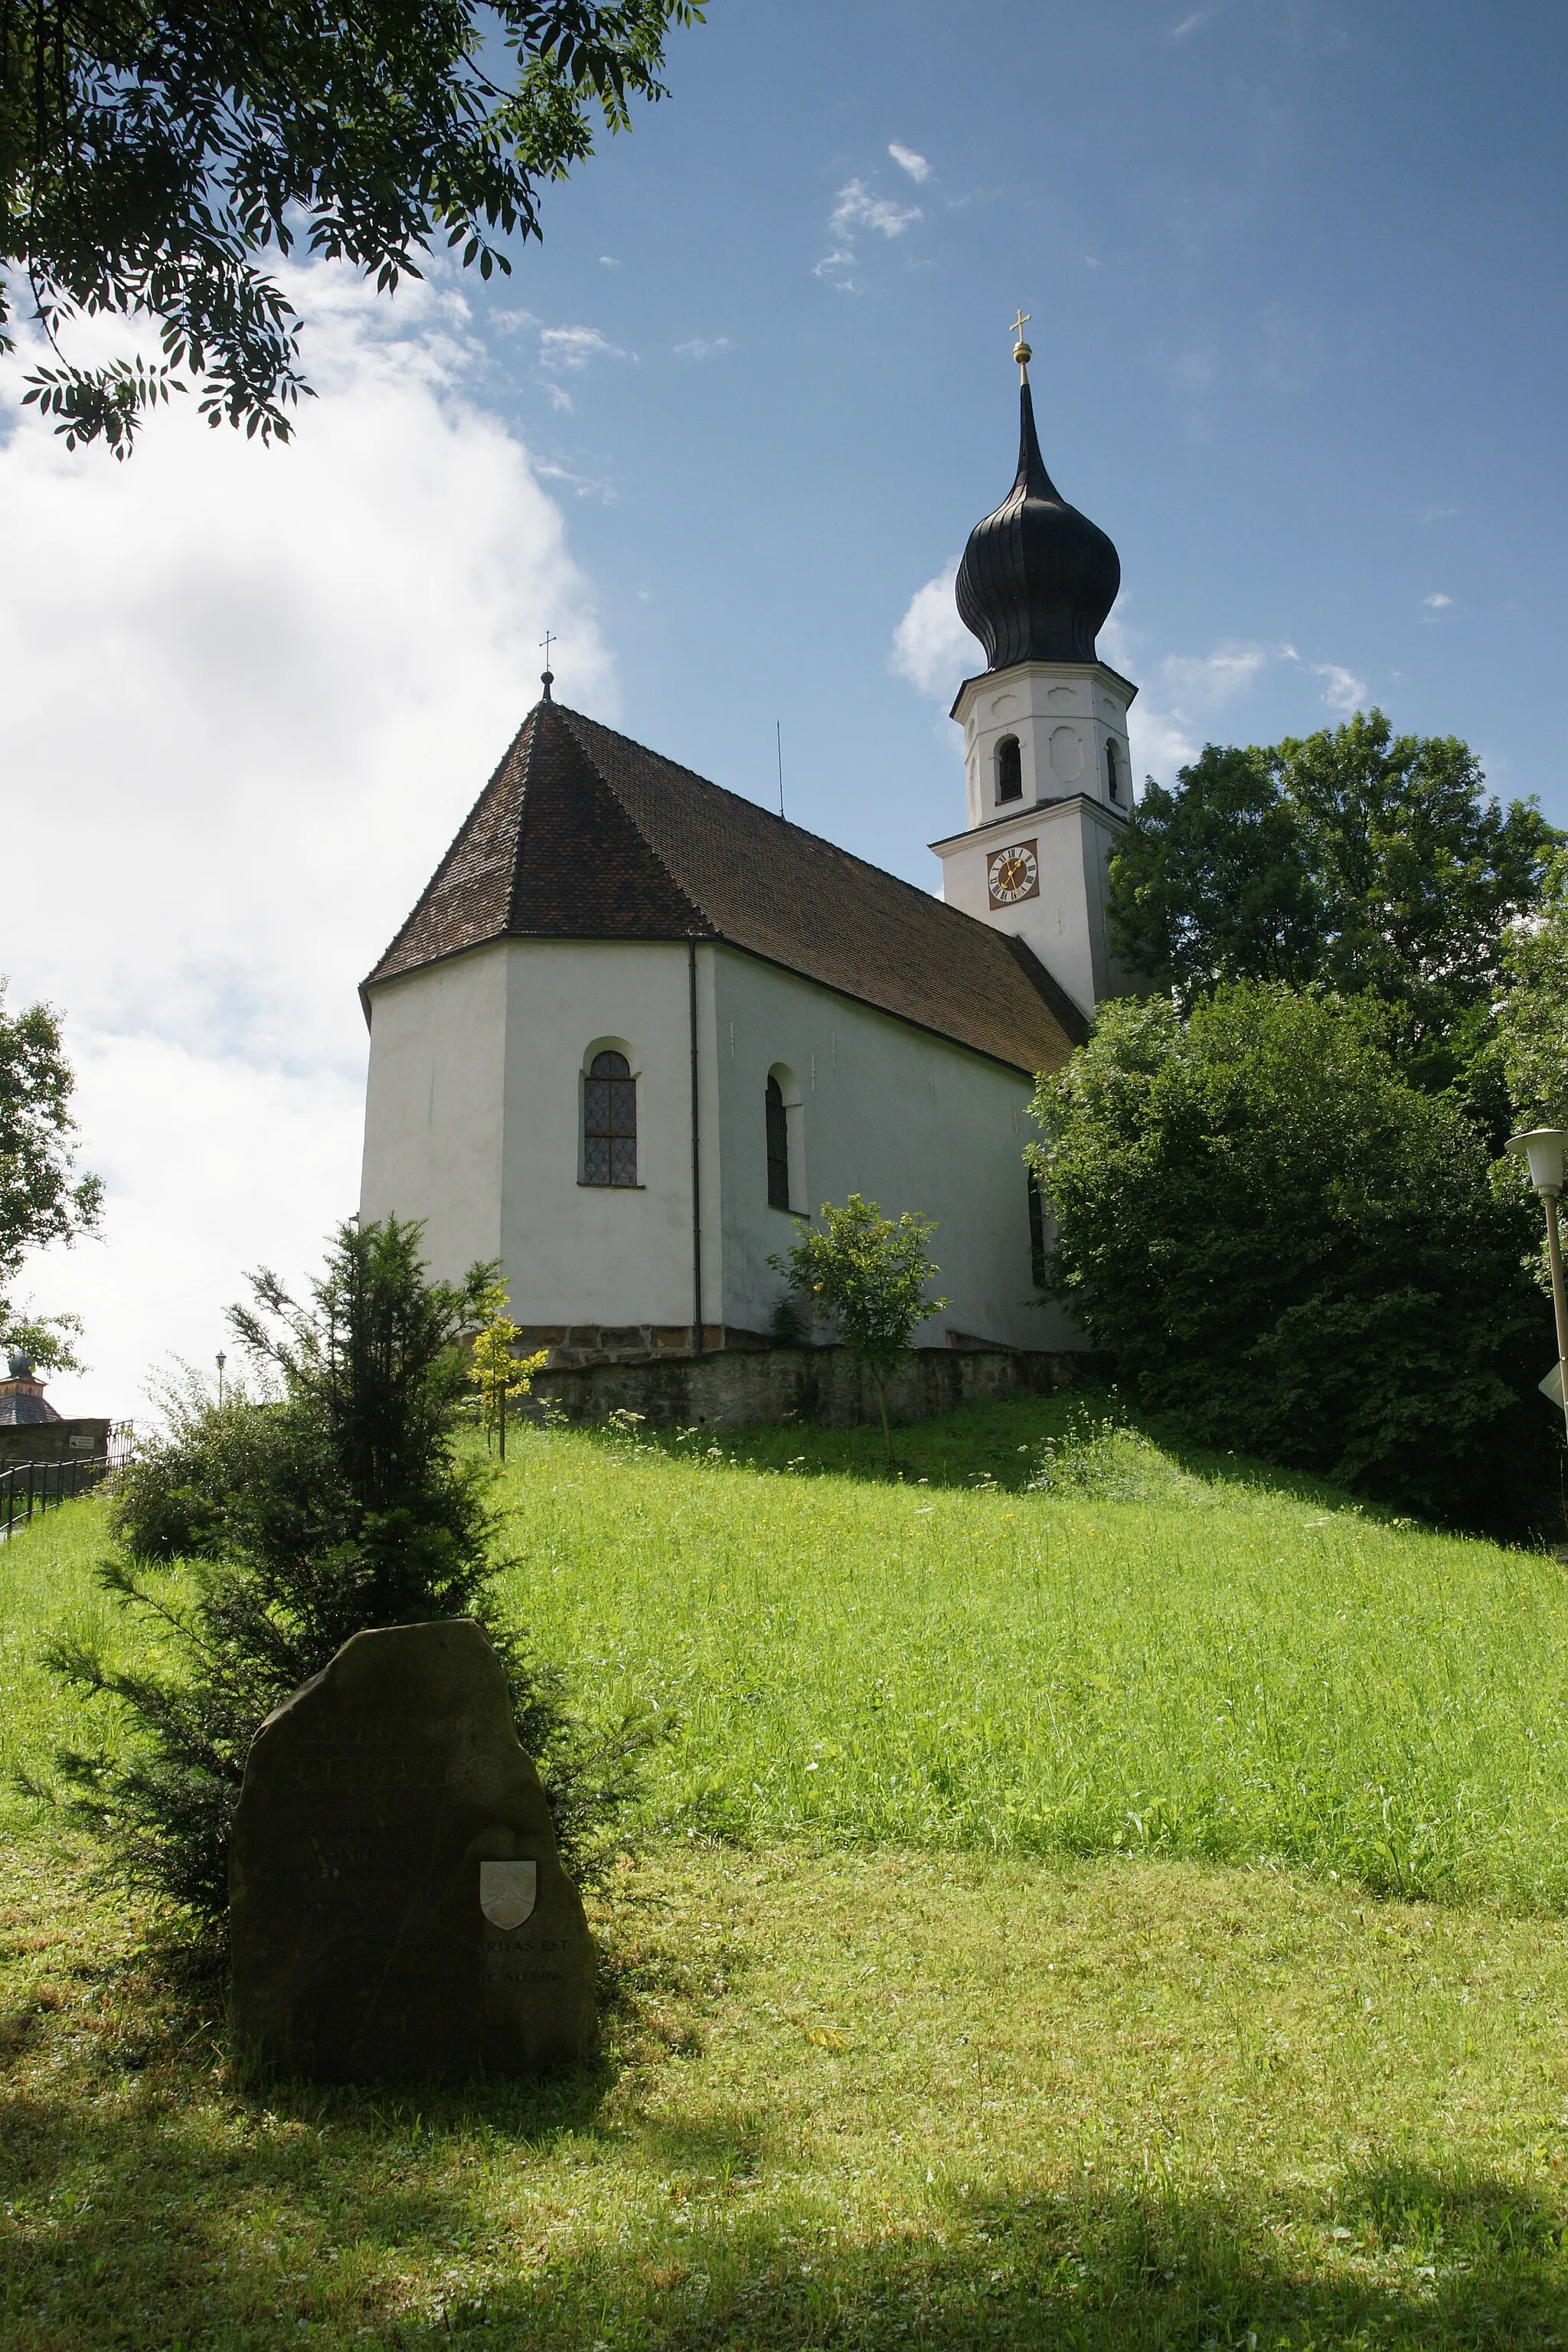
(151, 155)
(869, 1274)
(496, 1369)
(340, 1502)
(1213, 881)
(1533, 1014)
(1368, 861)
(42, 1198)
(1299, 1253)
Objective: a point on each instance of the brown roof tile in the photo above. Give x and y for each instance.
(582, 834)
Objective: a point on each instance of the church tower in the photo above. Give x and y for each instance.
(1047, 777)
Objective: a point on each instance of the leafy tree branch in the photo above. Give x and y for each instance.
(152, 157)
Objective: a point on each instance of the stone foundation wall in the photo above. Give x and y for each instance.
(739, 1385)
(574, 1346)
(52, 1440)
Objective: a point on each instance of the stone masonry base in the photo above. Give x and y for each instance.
(738, 1384)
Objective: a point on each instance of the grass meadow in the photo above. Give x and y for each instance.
(1193, 1660)
(1086, 1897)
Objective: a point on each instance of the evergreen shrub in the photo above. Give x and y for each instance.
(258, 1535)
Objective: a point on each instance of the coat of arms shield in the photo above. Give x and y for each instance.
(507, 1892)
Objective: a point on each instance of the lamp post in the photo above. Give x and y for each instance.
(221, 1361)
(1543, 1149)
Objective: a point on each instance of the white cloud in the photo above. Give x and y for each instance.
(932, 647)
(1183, 694)
(935, 652)
(703, 348)
(1205, 682)
(1437, 602)
(249, 695)
(858, 208)
(838, 268)
(908, 161)
(1343, 690)
(574, 347)
(608, 261)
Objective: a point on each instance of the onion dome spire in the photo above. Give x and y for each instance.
(1037, 577)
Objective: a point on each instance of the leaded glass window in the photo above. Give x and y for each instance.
(609, 1121)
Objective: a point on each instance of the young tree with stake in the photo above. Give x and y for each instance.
(869, 1273)
(497, 1373)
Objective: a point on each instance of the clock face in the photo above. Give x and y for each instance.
(1013, 874)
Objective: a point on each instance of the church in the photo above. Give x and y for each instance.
(638, 1028)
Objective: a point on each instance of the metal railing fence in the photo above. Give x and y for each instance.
(30, 1486)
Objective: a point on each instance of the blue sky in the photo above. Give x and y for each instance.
(1296, 295)
(1296, 281)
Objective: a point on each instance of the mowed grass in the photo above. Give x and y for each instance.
(858, 2101)
(957, 2039)
(1194, 1660)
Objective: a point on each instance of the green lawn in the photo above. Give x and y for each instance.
(959, 2038)
(1220, 1667)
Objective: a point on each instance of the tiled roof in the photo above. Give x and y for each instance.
(582, 834)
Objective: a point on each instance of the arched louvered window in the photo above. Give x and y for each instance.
(1113, 772)
(778, 1147)
(1009, 769)
(609, 1121)
(1038, 1266)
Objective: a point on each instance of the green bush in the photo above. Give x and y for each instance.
(1278, 1237)
(259, 1535)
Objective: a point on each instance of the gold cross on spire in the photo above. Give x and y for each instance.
(1021, 351)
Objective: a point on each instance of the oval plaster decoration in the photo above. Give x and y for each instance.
(1062, 694)
(1003, 705)
(1066, 753)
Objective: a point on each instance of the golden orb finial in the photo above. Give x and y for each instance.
(1021, 351)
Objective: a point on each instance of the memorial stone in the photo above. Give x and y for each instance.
(396, 1903)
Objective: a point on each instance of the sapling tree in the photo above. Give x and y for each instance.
(495, 1368)
(869, 1273)
(343, 1499)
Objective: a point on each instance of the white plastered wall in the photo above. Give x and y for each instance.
(1064, 922)
(1063, 714)
(434, 1116)
(474, 1122)
(892, 1113)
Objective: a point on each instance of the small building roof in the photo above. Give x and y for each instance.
(581, 833)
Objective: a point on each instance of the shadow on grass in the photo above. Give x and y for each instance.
(384, 2218)
(997, 1444)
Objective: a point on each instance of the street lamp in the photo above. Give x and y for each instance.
(1544, 1148)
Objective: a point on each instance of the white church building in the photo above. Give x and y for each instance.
(637, 1028)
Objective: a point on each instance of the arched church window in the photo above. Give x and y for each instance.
(784, 1109)
(1009, 769)
(1113, 771)
(609, 1121)
(778, 1147)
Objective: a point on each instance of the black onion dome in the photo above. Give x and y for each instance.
(1037, 577)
